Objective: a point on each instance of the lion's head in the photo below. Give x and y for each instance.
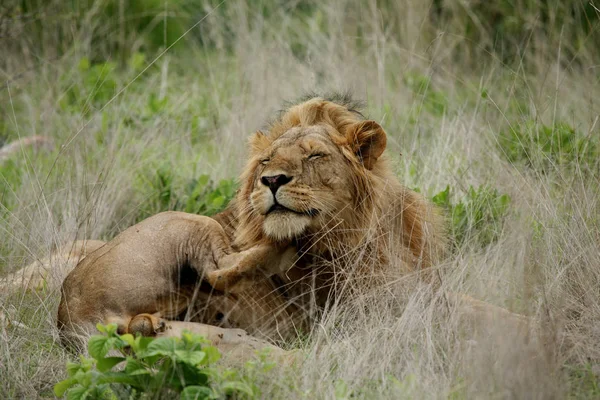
(317, 176)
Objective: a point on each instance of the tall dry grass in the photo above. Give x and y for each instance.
(395, 345)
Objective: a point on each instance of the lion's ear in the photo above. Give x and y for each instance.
(258, 142)
(368, 141)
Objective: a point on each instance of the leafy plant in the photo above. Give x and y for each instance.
(206, 198)
(544, 147)
(477, 216)
(95, 88)
(244, 383)
(198, 195)
(150, 368)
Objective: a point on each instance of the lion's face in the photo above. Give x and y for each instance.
(310, 173)
(301, 183)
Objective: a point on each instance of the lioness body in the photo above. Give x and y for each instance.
(49, 272)
(155, 269)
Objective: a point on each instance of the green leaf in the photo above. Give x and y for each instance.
(203, 180)
(135, 367)
(137, 61)
(190, 357)
(212, 354)
(129, 339)
(188, 375)
(196, 393)
(98, 346)
(165, 346)
(116, 377)
(504, 200)
(143, 342)
(77, 393)
(109, 329)
(72, 368)
(101, 328)
(84, 64)
(442, 199)
(86, 363)
(194, 341)
(107, 363)
(218, 202)
(140, 372)
(61, 387)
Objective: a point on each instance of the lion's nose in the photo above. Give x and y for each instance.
(275, 182)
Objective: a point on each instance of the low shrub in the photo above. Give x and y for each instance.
(546, 148)
(477, 217)
(198, 195)
(166, 367)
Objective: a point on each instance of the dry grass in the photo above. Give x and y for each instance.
(398, 344)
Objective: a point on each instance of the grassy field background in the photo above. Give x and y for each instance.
(491, 108)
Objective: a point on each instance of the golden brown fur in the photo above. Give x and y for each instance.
(359, 222)
(378, 205)
(354, 225)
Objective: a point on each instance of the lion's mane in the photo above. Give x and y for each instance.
(391, 226)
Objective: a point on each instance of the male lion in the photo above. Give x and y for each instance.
(316, 183)
(318, 178)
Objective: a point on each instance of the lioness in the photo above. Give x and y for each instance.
(152, 272)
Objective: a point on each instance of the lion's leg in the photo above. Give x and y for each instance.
(235, 345)
(146, 324)
(236, 271)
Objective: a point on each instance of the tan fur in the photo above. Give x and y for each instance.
(153, 271)
(355, 226)
(49, 273)
(366, 224)
(379, 201)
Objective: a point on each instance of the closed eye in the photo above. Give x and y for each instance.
(265, 161)
(315, 156)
